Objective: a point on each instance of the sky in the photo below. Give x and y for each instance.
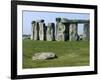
(29, 16)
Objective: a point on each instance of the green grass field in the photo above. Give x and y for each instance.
(75, 53)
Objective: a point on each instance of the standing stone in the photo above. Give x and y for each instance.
(53, 31)
(66, 31)
(32, 30)
(44, 29)
(66, 34)
(36, 31)
(50, 32)
(60, 29)
(86, 31)
(41, 30)
(73, 32)
(38, 28)
(58, 20)
(61, 32)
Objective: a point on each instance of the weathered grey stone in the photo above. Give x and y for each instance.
(44, 29)
(86, 31)
(64, 30)
(50, 32)
(35, 30)
(73, 32)
(66, 33)
(60, 32)
(58, 20)
(32, 30)
(38, 28)
(41, 31)
(44, 56)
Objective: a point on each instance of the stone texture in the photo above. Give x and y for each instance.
(86, 31)
(32, 30)
(66, 33)
(64, 30)
(73, 32)
(60, 32)
(44, 29)
(50, 32)
(44, 56)
(58, 20)
(41, 31)
(60, 29)
(35, 30)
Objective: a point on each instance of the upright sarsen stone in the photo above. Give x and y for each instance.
(66, 33)
(53, 31)
(50, 33)
(65, 22)
(44, 29)
(86, 31)
(32, 30)
(36, 31)
(62, 29)
(73, 32)
(58, 20)
(41, 29)
(61, 32)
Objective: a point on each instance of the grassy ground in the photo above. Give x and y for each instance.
(75, 53)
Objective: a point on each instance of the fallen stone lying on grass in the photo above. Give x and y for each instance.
(44, 56)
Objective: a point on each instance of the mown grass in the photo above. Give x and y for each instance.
(75, 53)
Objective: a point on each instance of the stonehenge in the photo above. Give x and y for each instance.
(62, 30)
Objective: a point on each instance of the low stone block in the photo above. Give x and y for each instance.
(44, 56)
